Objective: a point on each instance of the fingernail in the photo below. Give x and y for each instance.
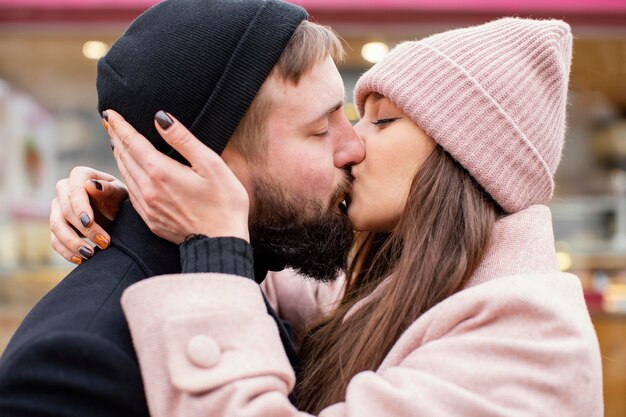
(85, 251)
(105, 116)
(111, 144)
(102, 242)
(105, 124)
(163, 120)
(97, 184)
(77, 260)
(84, 219)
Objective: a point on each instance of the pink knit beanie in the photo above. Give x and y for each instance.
(493, 96)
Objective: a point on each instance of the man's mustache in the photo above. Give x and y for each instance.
(343, 188)
(349, 176)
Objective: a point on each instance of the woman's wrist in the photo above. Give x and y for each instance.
(227, 255)
(239, 231)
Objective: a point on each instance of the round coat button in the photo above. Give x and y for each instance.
(203, 351)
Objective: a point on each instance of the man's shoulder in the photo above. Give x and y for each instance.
(86, 302)
(71, 373)
(73, 352)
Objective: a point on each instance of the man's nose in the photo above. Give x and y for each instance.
(350, 149)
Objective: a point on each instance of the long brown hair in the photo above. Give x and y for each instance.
(430, 255)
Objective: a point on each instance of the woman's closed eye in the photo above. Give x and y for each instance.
(385, 121)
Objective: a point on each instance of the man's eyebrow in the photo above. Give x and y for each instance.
(328, 112)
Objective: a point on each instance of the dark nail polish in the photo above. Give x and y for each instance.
(84, 219)
(85, 251)
(163, 120)
(105, 116)
(97, 184)
(111, 144)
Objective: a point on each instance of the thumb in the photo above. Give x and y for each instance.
(99, 189)
(182, 140)
(106, 196)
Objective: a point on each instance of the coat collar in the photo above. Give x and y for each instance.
(155, 256)
(520, 243)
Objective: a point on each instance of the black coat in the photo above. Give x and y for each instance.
(73, 354)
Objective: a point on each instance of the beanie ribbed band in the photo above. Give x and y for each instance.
(493, 96)
(247, 69)
(203, 61)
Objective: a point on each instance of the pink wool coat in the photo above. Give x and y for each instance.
(518, 341)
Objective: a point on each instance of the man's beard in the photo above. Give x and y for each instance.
(303, 234)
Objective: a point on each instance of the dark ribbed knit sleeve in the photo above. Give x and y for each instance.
(227, 255)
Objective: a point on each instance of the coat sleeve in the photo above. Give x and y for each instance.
(207, 348)
(299, 299)
(70, 374)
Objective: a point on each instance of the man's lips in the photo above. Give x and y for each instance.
(345, 203)
(343, 207)
(348, 201)
(342, 202)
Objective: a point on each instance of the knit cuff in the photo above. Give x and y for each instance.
(226, 255)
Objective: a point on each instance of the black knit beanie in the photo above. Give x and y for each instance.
(203, 61)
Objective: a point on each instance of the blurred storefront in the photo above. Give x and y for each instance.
(49, 123)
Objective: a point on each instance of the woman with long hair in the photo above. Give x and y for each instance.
(453, 304)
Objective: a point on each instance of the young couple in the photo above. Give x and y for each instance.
(452, 303)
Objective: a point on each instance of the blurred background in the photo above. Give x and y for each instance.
(49, 123)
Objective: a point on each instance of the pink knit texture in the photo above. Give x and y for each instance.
(493, 96)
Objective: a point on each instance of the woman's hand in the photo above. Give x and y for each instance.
(86, 202)
(175, 200)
